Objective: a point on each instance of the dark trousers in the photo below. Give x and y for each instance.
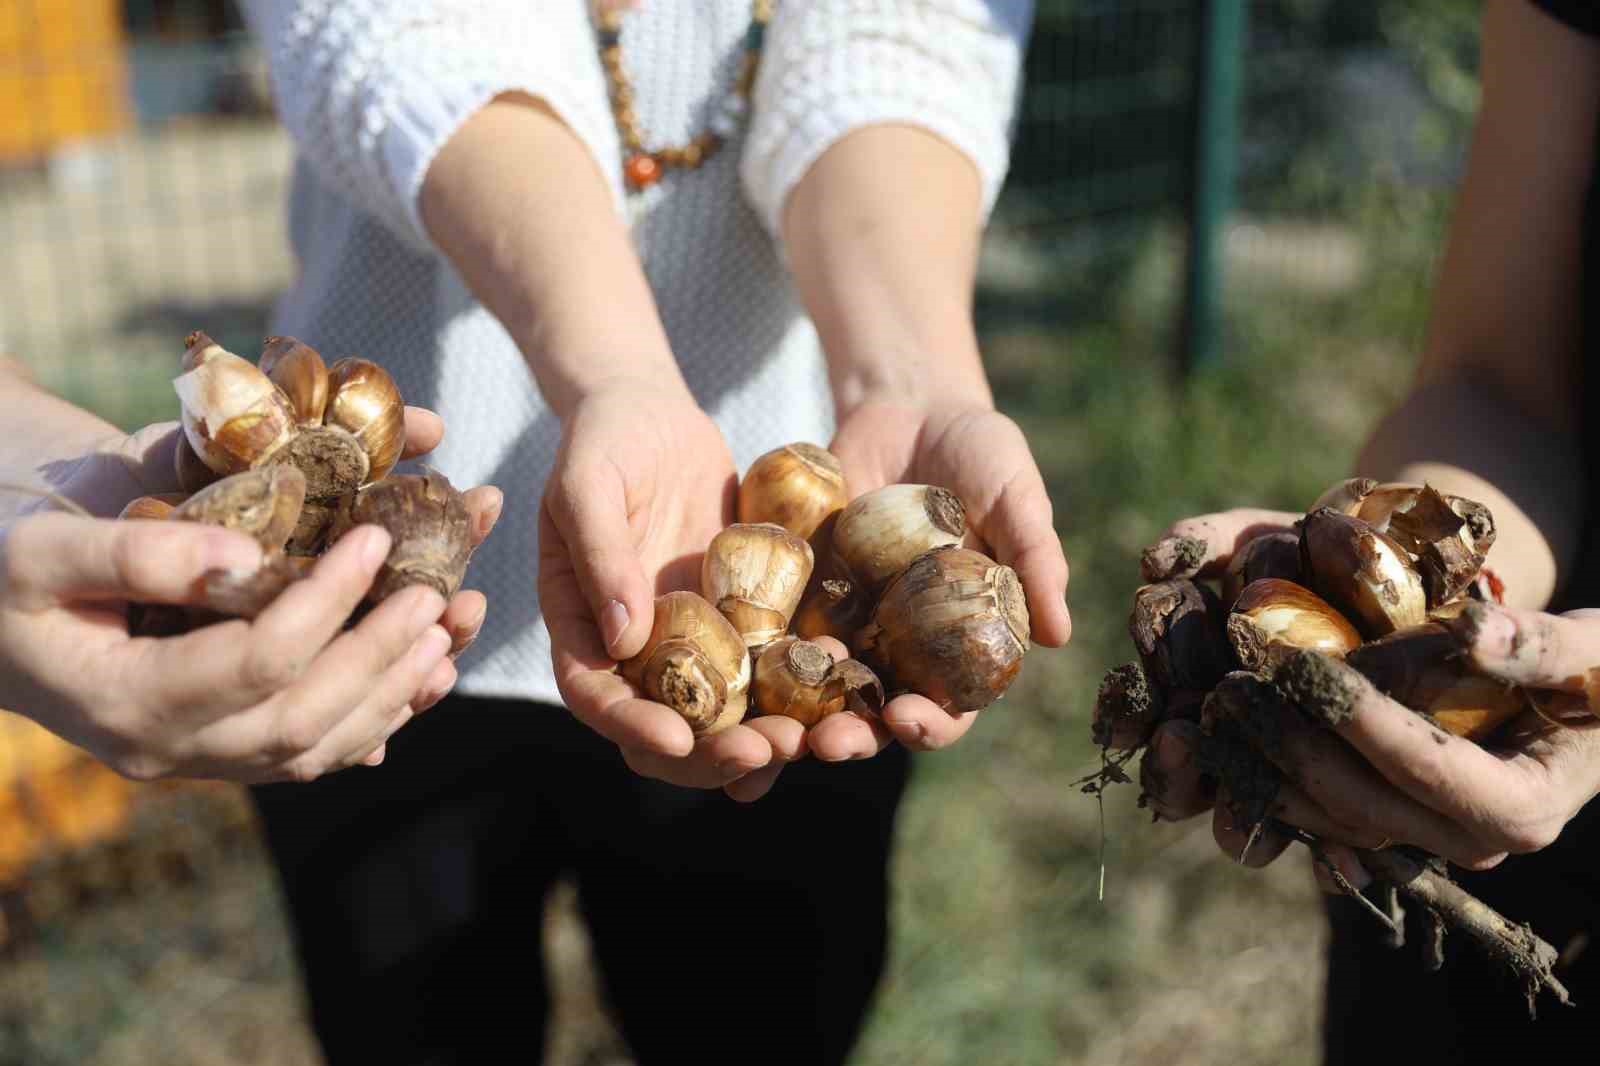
(1383, 1007)
(723, 932)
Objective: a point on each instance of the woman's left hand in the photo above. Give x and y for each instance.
(981, 456)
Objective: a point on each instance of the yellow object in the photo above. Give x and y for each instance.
(52, 796)
(63, 74)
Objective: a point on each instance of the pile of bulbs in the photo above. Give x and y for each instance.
(1368, 576)
(295, 453)
(1372, 574)
(885, 574)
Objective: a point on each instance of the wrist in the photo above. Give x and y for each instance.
(922, 381)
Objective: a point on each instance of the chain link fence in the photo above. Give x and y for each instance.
(142, 194)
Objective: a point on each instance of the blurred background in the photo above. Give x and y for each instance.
(1207, 277)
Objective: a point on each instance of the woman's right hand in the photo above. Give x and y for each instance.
(286, 696)
(642, 482)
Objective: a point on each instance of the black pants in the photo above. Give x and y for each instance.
(1383, 1007)
(724, 932)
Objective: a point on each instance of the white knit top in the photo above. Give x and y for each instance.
(371, 89)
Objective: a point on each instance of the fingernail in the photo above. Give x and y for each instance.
(227, 550)
(490, 515)
(375, 548)
(613, 622)
(376, 758)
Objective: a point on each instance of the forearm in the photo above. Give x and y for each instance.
(43, 438)
(546, 253)
(882, 234)
(1462, 436)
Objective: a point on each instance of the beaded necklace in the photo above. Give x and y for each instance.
(641, 166)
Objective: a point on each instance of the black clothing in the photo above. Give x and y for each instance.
(1381, 1005)
(724, 932)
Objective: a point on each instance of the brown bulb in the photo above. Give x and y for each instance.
(695, 662)
(193, 473)
(1363, 573)
(1271, 555)
(1273, 615)
(159, 506)
(755, 574)
(880, 532)
(429, 530)
(1127, 709)
(298, 369)
(246, 595)
(263, 504)
(952, 627)
(797, 679)
(364, 401)
(1447, 536)
(1423, 668)
(1177, 628)
(233, 416)
(796, 486)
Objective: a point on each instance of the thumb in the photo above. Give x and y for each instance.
(588, 505)
(51, 558)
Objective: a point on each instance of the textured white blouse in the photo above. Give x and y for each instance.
(371, 89)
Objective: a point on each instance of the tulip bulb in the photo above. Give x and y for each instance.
(1423, 668)
(1346, 497)
(1274, 555)
(429, 530)
(364, 401)
(796, 486)
(832, 605)
(155, 507)
(234, 417)
(952, 627)
(1362, 572)
(263, 504)
(1448, 536)
(1273, 614)
(798, 679)
(1177, 628)
(695, 662)
(880, 532)
(298, 370)
(193, 474)
(755, 574)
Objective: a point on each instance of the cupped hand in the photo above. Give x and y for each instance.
(642, 481)
(1375, 773)
(983, 457)
(304, 698)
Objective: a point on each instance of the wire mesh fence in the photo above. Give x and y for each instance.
(142, 194)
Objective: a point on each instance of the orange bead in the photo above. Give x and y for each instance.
(641, 171)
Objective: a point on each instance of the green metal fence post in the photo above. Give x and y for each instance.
(1218, 75)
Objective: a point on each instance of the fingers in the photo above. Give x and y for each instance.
(484, 503)
(51, 558)
(231, 666)
(1478, 803)
(922, 725)
(715, 761)
(1344, 860)
(424, 431)
(848, 735)
(1253, 846)
(1170, 775)
(588, 509)
(1203, 546)
(1531, 647)
(754, 785)
(1020, 528)
(463, 619)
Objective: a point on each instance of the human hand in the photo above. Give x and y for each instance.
(295, 707)
(1363, 772)
(981, 456)
(641, 484)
